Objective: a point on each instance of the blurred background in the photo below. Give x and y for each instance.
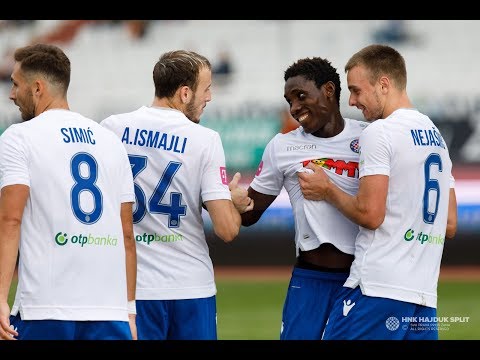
(112, 63)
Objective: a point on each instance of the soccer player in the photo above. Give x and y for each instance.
(178, 166)
(324, 238)
(405, 206)
(66, 203)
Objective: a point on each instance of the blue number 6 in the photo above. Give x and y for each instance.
(431, 185)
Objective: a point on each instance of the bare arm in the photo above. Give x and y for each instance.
(367, 208)
(225, 214)
(12, 204)
(452, 215)
(239, 195)
(249, 203)
(226, 220)
(261, 202)
(126, 214)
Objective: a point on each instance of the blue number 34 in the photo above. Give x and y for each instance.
(174, 209)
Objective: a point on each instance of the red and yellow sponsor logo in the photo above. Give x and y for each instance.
(341, 167)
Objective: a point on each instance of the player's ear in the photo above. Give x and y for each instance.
(384, 84)
(329, 88)
(184, 94)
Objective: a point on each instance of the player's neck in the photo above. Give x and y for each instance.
(400, 102)
(166, 103)
(50, 105)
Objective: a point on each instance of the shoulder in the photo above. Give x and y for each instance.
(356, 126)
(374, 131)
(101, 131)
(280, 138)
(203, 130)
(293, 134)
(357, 123)
(283, 141)
(15, 131)
(118, 118)
(108, 121)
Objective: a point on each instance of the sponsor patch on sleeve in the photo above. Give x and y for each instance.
(260, 167)
(223, 175)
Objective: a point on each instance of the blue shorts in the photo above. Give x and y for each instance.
(310, 297)
(70, 330)
(188, 319)
(359, 317)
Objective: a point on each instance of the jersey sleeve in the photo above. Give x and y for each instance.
(128, 191)
(13, 158)
(215, 180)
(268, 179)
(375, 151)
(108, 122)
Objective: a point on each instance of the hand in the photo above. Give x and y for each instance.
(7, 332)
(240, 198)
(133, 325)
(314, 185)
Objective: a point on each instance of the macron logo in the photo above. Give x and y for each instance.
(347, 306)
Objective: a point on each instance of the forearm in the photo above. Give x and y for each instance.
(251, 217)
(345, 203)
(452, 216)
(12, 203)
(130, 249)
(229, 227)
(236, 217)
(6, 276)
(9, 240)
(355, 208)
(131, 262)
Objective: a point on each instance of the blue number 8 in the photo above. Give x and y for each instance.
(86, 183)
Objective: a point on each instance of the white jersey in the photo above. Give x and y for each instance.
(177, 164)
(316, 222)
(72, 256)
(401, 259)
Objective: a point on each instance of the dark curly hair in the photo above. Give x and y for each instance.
(317, 69)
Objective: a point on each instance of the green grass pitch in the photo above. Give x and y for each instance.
(252, 310)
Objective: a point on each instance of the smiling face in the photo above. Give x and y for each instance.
(309, 105)
(364, 95)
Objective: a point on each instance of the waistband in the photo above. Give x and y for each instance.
(318, 274)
